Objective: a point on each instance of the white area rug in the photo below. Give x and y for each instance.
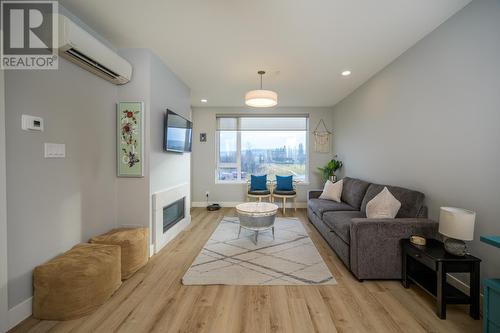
(290, 259)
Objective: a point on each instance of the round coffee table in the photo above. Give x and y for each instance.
(256, 216)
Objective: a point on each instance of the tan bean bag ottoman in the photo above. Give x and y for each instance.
(134, 244)
(77, 282)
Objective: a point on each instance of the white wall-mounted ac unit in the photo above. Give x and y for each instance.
(83, 49)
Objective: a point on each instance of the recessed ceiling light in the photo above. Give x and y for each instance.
(204, 100)
(346, 73)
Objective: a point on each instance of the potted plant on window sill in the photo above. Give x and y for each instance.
(328, 171)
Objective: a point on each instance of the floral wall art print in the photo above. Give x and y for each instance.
(130, 153)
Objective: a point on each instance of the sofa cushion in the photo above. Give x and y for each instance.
(340, 222)
(259, 192)
(282, 192)
(332, 191)
(412, 202)
(383, 206)
(353, 191)
(320, 206)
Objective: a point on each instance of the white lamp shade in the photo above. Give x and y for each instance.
(457, 223)
(261, 98)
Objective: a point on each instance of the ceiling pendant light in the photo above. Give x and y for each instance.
(261, 98)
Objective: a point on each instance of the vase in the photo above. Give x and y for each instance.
(333, 178)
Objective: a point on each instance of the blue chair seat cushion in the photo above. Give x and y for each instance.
(258, 183)
(259, 192)
(284, 183)
(280, 192)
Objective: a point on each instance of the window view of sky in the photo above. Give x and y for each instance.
(263, 152)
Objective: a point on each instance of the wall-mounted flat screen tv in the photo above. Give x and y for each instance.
(177, 133)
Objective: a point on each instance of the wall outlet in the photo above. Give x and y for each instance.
(207, 193)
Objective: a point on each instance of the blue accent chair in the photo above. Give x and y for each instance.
(258, 187)
(286, 188)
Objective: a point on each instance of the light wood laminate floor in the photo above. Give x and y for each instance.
(154, 300)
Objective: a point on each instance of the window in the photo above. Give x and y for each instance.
(274, 145)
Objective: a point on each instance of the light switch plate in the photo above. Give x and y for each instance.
(55, 150)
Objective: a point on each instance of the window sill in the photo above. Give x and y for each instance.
(230, 182)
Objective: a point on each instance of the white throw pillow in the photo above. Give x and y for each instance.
(383, 206)
(332, 191)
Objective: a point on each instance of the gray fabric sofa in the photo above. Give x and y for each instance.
(369, 247)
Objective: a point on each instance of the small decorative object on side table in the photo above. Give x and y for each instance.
(418, 240)
(491, 300)
(457, 225)
(427, 267)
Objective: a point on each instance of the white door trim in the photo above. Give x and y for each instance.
(3, 214)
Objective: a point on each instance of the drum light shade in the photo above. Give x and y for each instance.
(457, 223)
(261, 98)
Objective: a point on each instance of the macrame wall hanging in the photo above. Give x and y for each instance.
(322, 138)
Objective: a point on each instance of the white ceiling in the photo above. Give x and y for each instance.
(217, 46)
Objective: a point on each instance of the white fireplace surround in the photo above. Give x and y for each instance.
(162, 199)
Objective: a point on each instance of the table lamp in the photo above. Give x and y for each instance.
(457, 225)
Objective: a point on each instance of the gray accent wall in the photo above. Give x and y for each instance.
(159, 88)
(166, 169)
(167, 91)
(431, 121)
(204, 153)
(133, 193)
(53, 204)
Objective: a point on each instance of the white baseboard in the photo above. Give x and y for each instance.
(234, 203)
(20, 312)
(223, 204)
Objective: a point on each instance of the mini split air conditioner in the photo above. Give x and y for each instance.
(83, 49)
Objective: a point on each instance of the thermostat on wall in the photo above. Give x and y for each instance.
(31, 123)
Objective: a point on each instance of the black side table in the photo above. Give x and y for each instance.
(426, 266)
